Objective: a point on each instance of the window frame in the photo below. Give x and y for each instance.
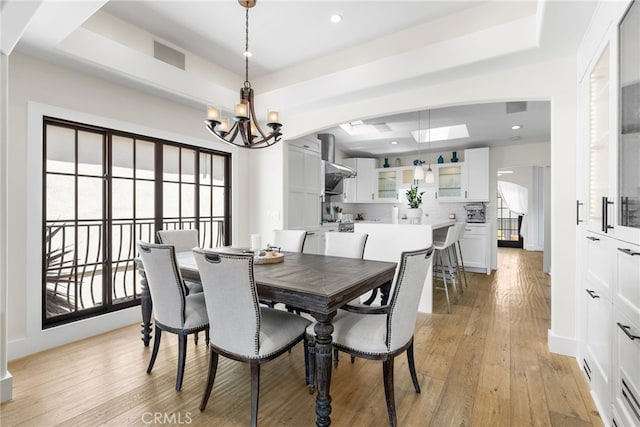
(107, 305)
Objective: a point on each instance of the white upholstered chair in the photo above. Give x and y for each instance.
(242, 329)
(289, 240)
(383, 332)
(348, 245)
(173, 310)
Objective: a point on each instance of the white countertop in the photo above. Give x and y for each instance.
(435, 223)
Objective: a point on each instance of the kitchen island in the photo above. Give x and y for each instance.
(387, 241)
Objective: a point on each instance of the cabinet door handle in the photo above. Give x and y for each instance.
(578, 220)
(628, 251)
(605, 214)
(310, 233)
(592, 294)
(627, 331)
(593, 239)
(465, 194)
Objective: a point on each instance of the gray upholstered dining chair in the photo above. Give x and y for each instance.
(383, 332)
(241, 329)
(289, 240)
(183, 241)
(173, 309)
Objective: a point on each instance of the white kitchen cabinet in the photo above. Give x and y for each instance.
(466, 181)
(596, 293)
(626, 352)
(476, 162)
(476, 252)
(608, 212)
(362, 187)
(626, 341)
(303, 184)
(596, 349)
(390, 182)
(450, 182)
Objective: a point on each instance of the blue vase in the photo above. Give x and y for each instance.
(440, 159)
(386, 163)
(454, 157)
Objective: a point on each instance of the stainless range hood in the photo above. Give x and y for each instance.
(333, 172)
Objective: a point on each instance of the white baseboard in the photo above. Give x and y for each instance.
(6, 388)
(562, 345)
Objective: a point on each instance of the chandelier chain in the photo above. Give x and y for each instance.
(246, 49)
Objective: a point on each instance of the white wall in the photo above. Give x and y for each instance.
(38, 88)
(554, 80)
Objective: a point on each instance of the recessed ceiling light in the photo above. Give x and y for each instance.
(516, 127)
(335, 18)
(394, 142)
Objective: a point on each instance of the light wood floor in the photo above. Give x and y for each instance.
(486, 364)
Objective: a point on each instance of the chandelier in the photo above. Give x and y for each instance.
(246, 131)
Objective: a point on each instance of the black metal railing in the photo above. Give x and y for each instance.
(75, 254)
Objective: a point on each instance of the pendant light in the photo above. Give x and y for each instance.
(429, 177)
(418, 172)
(246, 131)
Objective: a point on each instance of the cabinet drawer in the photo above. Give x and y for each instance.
(598, 264)
(475, 230)
(627, 289)
(627, 362)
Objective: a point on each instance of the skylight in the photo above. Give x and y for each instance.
(443, 133)
(358, 127)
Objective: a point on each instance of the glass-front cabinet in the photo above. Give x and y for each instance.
(450, 182)
(598, 164)
(387, 184)
(628, 170)
(391, 182)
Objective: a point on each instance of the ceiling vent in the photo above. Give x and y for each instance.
(168, 55)
(381, 127)
(516, 107)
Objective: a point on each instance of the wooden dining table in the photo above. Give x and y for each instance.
(316, 284)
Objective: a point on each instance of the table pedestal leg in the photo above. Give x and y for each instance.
(323, 330)
(146, 307)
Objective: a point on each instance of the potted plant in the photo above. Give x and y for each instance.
(414, 213)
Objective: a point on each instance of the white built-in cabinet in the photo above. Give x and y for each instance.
(304, 184)
(362, 187)
(466, 181)
(608, 211)
(390, 181)
(476, 249)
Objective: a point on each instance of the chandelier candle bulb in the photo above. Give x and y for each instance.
(274, 117)
(213, 114)
(224, 125)
(241, 110)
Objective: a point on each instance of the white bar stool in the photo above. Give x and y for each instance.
(444, 263)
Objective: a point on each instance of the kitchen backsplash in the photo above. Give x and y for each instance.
(383, 211)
